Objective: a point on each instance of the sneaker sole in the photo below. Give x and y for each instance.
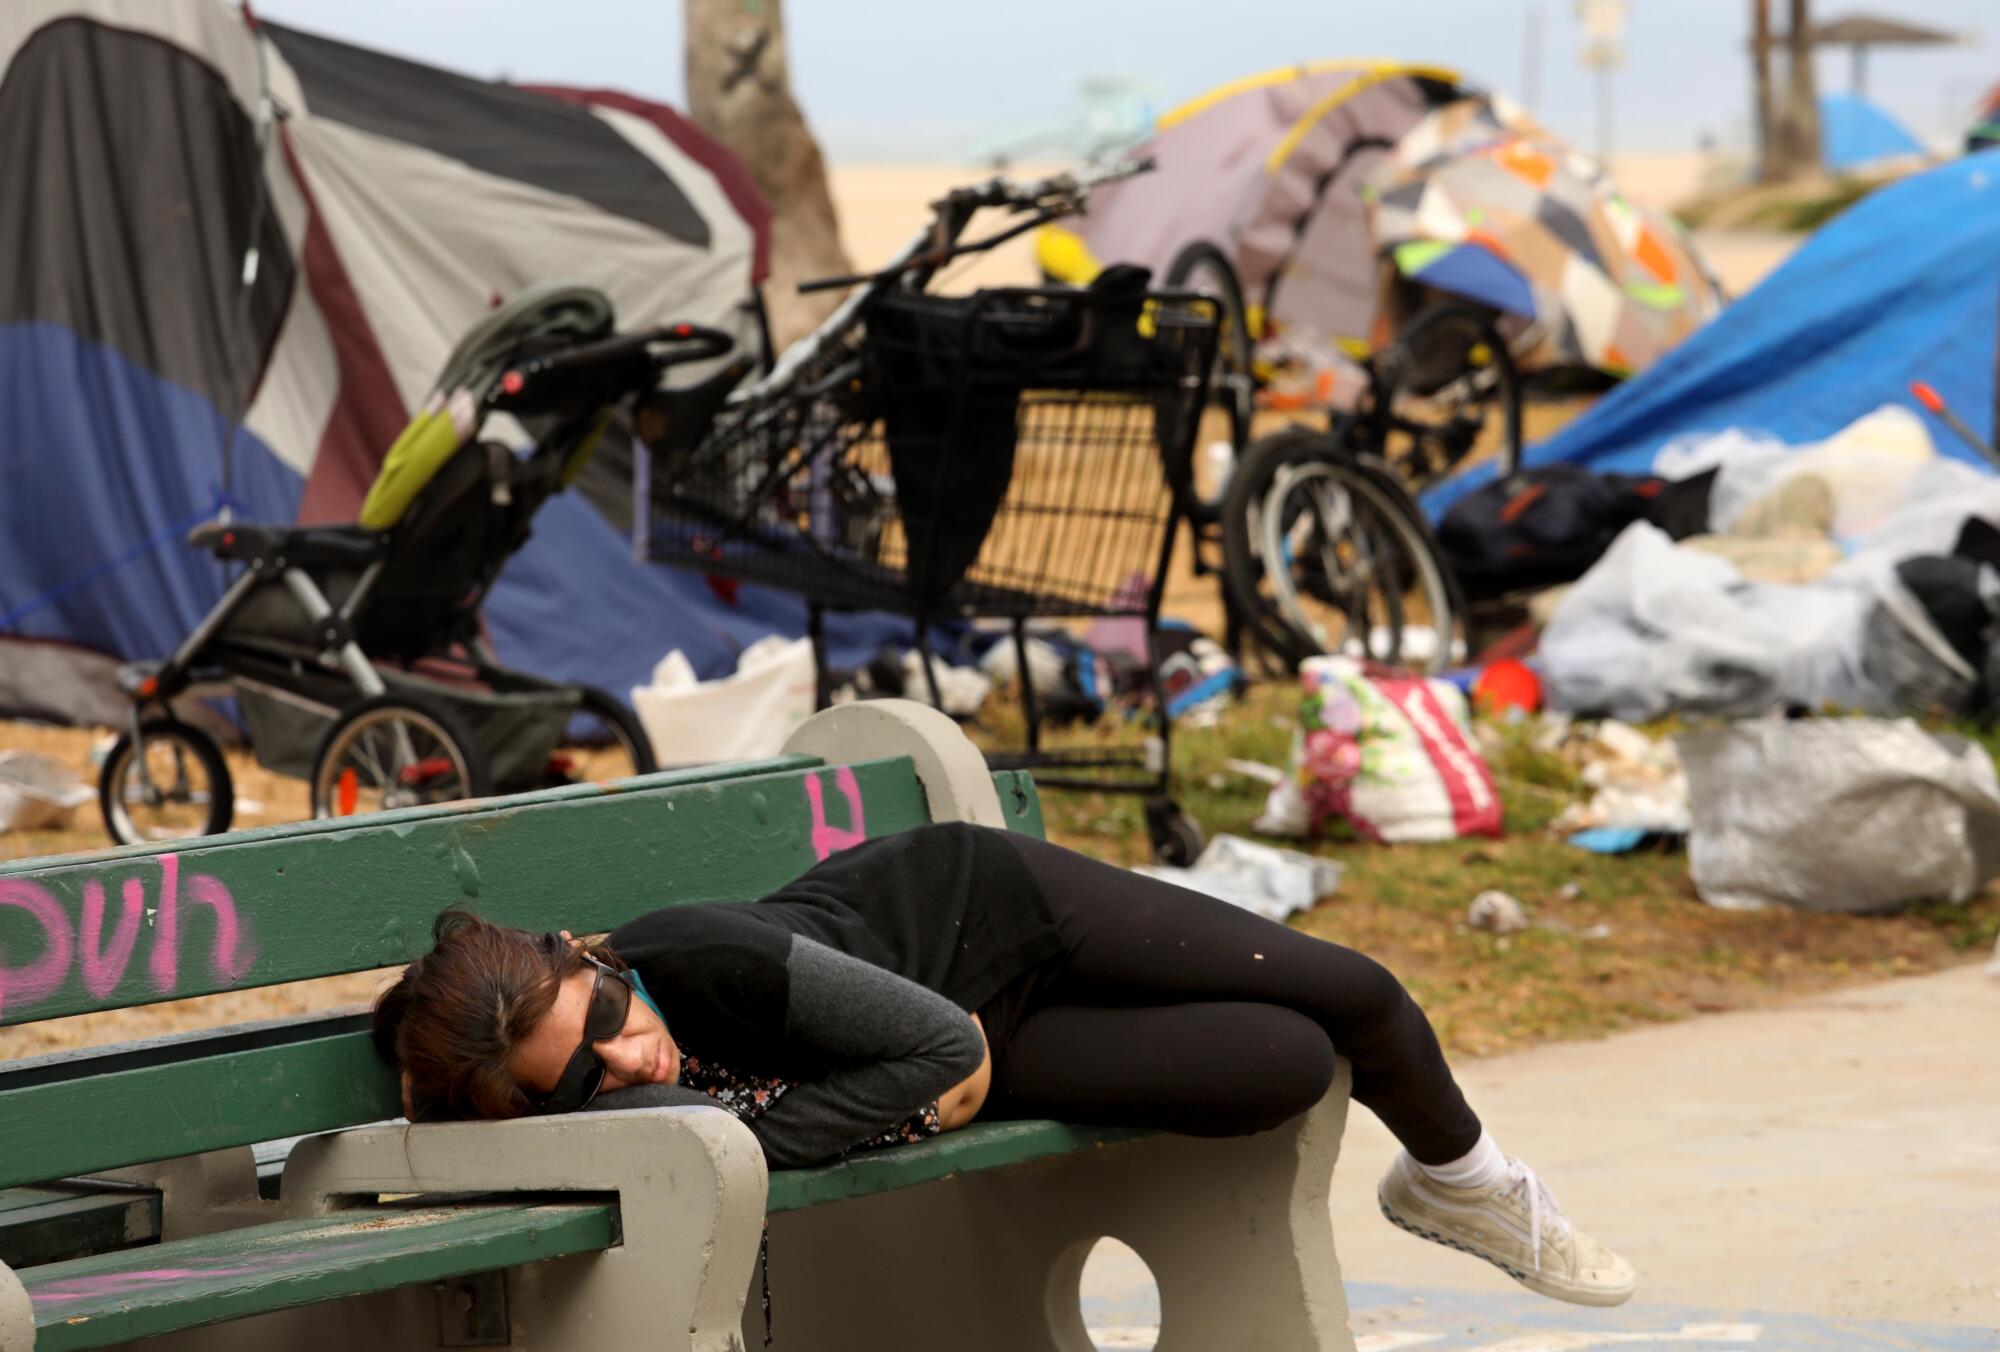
(1575, 1295)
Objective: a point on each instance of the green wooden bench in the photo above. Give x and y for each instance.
(137, 1208)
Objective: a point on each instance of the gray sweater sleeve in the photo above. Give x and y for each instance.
(899, 1046)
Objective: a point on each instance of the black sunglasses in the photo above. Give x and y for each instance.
(603, 1017)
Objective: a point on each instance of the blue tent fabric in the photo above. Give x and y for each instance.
(112, 456)
(1854, 132)
(1476, 274)
(1903, 286)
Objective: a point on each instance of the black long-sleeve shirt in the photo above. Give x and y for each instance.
(853, 982)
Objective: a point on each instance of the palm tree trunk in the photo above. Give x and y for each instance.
(739, 91)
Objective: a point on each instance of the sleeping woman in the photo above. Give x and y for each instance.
(918, 982)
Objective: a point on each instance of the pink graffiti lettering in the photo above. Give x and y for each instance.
(101, 964)
(827, 839)
(35, 981)
(102, 969)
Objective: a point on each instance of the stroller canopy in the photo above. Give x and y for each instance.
(1308, 178)
(242, 253)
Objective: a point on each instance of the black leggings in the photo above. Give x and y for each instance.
(1174, 1010)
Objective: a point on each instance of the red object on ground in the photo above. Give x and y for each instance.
(1507, 684)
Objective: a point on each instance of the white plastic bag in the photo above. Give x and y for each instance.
(38, 794)
(745, 716)
(1846, 814)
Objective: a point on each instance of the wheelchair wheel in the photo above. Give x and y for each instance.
(396, 751)
(1325, 552)
(1202, 268)
(173, 786)
(629, 751)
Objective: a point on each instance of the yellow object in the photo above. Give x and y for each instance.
(1064, 256)
(417, 455)
(1264, 80)
(1377, 73)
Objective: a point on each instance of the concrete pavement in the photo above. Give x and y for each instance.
(1833, 1160)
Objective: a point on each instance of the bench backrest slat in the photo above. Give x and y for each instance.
(286, 904)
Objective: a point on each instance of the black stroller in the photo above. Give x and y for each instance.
(355, 652)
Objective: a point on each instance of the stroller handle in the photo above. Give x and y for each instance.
(681, 343)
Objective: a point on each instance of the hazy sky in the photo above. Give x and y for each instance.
(932, 79)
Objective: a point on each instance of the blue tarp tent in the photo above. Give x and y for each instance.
(1903, 286)
(1854, 132)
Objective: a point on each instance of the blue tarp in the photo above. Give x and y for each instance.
(1903, 286)
(1854, 132)
(106, 465)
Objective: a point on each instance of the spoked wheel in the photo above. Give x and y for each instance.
(1445, 393)
(173, 785)
(396, 751)
(1202, 268)
(1326, 553)
(628, 752)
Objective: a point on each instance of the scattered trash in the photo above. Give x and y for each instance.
(1391, 755)
(743, 716)
(1569, 892)
(37, 793)
(1639, 792)
(1849, 815)
(1270, 881)
(1496, 913)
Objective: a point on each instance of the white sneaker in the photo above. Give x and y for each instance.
(1517, 1227)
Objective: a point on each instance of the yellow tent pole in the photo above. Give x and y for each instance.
(1261, 80)
(1313, 115)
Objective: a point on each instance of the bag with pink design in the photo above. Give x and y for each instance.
(1389, 753)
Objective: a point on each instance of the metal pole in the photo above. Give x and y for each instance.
(1531, 61)
(1760, 89)
(1604, 117)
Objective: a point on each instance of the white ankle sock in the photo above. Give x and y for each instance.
(1483, 1166)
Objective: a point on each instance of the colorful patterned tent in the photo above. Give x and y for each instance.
(1306, 178)
(1479, 201)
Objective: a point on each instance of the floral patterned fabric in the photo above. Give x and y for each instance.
(1388, 753)
(751, 1096)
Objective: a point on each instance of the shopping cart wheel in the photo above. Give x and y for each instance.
(630, 752)
(177, 786)
(396, 751)
(1177, 837)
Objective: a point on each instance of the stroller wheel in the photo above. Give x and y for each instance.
(396, 751)
(173, 785)
(629, 752)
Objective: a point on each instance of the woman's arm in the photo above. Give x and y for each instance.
(900, 1048)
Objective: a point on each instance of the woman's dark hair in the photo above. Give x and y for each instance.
(454, 1018)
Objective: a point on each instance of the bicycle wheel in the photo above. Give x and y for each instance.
(396, 751)
(1326, 553)
(1445, 393)
(177, 787)
(629, 751)
(1202, 268)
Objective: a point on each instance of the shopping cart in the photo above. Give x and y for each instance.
(1015, 455)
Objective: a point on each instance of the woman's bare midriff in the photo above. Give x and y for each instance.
(961, 1103)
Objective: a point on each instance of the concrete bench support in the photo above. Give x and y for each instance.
(690, 1186)
(1236, 1232)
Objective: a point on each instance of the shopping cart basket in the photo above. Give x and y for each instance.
(1016, 454)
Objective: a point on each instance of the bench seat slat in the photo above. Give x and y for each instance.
(108, 1298)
